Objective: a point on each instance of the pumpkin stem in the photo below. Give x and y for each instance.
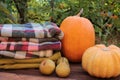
(106, 49)
(81, 11)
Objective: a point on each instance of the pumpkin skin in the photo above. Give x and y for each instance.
(101, 61)
(78, 36)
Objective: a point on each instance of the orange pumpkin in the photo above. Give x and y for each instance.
(101, 61)
(78, 36)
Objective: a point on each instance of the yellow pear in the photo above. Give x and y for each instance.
(61, 59)
(63, 67)
(47, 67)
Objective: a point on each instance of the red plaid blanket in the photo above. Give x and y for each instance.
(31, 30)
(34, 40)
(26, 54)
(29, 46)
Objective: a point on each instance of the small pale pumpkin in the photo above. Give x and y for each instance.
(101, 61)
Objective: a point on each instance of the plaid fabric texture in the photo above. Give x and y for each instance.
(34, 40)
(29, 46)
(31, 30)
(27, 54)
(31, 40)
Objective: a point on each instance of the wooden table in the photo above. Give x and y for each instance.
(77, 73)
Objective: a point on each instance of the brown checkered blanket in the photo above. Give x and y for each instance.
(31, 30)
(34, 40)
(27, 54)
(29, 46)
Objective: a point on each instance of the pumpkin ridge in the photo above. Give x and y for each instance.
(113, 69)
(103, 62)
(97, 62)
(85, 56)
(89, 65)
(111, 64)
(116, 61)
(118, 55)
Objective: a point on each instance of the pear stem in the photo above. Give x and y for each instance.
(81, 11)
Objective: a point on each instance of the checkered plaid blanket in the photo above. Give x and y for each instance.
(31, 30)
(34, 40)
(29, 46)
(26, 54)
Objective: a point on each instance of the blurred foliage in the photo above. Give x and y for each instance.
(104, 14)
(5, 14)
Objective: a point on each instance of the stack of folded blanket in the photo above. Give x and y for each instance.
(28, 43)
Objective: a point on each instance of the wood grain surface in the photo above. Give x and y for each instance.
(77, 73)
